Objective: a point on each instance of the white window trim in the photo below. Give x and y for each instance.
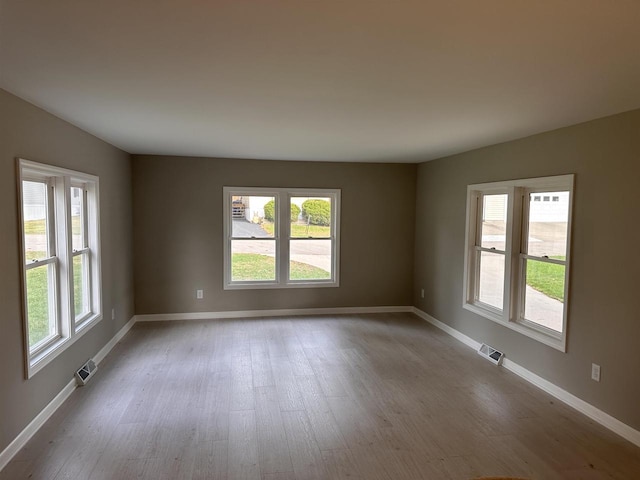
(86, 250)
(281, 236)
(510, 314)
(60, 208)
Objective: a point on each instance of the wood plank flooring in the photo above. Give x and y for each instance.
(364, 397)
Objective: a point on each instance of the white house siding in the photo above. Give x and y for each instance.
(34, 201)
(495, 207)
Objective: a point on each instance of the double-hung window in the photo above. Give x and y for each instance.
(281, 237)
(61, 258)
(517, 255)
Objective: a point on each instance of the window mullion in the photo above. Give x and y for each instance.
(521, 231)
(283, 239)
(508, 242)
(64, 251)
(512, 275)
(53, 271)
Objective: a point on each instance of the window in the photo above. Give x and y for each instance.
(61, 258)
(276, 237)
(517, 255)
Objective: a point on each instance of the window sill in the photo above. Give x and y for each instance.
(559, 343)
(43, 358)
(267, 285)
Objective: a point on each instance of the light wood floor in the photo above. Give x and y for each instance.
(345, 397)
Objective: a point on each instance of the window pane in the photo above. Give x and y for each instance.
(491, 287)
(41, 317)
(77, 218)
(494, 221)
(544, 294)
(253, 216)
(548, 224)
(310, 259)
(34, 211)
(80, 285)
(253, 260)
(311, 217)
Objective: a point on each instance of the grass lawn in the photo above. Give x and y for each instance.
(252, 266)
(38, 285)
(37, 304)
(300, 230)
(547, 278)
(36, 227)
(38, 298)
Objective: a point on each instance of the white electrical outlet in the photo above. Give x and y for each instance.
(595, 372)
(199, 294)
(113, 314)
(422, 293)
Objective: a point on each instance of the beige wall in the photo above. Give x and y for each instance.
(178, 233)
(397, 236)
(28, 132)
(604, 323)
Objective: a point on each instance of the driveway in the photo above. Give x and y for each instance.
(243, 228)
(314, 252)
(539, 307)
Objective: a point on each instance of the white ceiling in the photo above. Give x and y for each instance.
(339, 80)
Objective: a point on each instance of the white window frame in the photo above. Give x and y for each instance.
(69, 329)
(282, 232)
(512, 313)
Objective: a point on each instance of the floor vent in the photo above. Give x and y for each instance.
(85, 372)
(491, 354)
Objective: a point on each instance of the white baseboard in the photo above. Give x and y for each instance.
(98, 357)
(470, 342)
(594, 413)
(25, 435)
(269, 313)
(29, 431)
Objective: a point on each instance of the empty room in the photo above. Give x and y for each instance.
(286, 240)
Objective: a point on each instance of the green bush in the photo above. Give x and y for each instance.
(270, 209)
(317, 212)
(295, 212)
